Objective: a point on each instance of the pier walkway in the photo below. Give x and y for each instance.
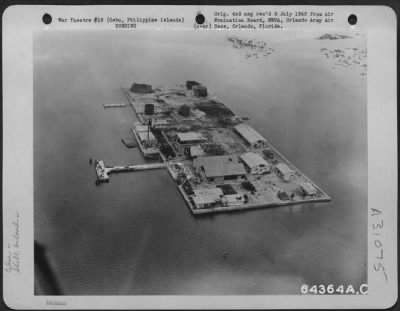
(115, 105)
(103, 171)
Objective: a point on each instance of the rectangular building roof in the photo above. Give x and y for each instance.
(233, 198)
(220, 166)
(249, 133)
(159, 121)
(308, 188)
(143, 136)
(207, 195)
(253, 159)
(141, 128)
(217, 192)
(196, 151)
(190, 136)
(284, 169)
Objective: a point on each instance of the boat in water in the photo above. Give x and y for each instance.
(147, 143)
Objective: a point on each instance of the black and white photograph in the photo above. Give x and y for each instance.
(241, 161)
(209, 163)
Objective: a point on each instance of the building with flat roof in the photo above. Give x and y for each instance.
(251, 136)
(190, 138)
(147, 136)
(284, 171)
(141, 128)
(191, 83)
(206, 197)
(160, 123)
(196, 151)
(232, 200)
(308, 189)
(255, 163)
(219, 168)
(199, 91)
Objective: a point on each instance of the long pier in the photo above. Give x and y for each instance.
(103, 171)
(115, 105)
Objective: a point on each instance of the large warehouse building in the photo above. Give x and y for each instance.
(251, 136)
(219, 168)
(255, 163)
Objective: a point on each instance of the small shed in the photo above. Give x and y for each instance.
(232, 200)
(196, 151)
(308, 189)
(283, 196)
(159, 123)
(190, 138)
(284, 171)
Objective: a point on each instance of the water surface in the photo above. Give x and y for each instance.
(135, 235)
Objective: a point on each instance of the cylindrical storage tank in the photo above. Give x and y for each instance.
(149, 109)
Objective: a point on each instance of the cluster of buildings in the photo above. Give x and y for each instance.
(223, 169)
(233, 167)
(209, 197)
(207, 163)
(218, 169)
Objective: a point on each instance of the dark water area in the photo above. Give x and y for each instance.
(135, 235)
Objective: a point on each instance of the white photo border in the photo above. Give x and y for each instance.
(19, 23)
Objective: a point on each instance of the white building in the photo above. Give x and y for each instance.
(251, 136)
(159, 123)
(284, 171)
(220, 168)
(207, 197)
(190, 138)
(147, 137)
(232, 200)
(308, 189)
(255, 163)
(196, 151)
(141, 128)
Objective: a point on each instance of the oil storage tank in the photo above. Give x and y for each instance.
(149, 109)
(141, 88)
(199, 91)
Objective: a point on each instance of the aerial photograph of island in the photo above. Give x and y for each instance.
(224, 163)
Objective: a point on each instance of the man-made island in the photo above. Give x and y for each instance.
(218, 162)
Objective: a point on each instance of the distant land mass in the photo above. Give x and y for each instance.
(253, 48)
(328, 36)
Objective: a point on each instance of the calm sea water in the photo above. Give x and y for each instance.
(135, 235)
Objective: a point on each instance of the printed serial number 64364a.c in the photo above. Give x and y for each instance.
(331, 289)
